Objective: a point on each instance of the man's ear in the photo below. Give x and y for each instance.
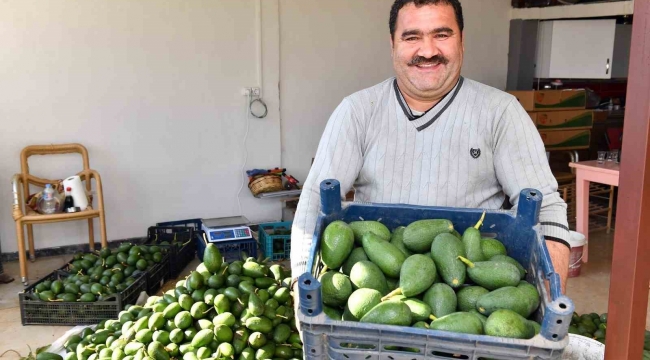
(392, 45)
(462, 40)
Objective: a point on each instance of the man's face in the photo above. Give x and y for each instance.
(427, 50)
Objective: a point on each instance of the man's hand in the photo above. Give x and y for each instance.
(560, 258)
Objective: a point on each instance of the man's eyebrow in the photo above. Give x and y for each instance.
(411, 32)
(442, 29)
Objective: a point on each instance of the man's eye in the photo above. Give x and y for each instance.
(411, 38)
(442, 36)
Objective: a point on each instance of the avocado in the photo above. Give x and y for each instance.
(384, 254)
(360, 228)
(445, 250)
(492, 274)
(255, 305)
(416, 276)
(336, 244)
(419, 235)
(365, 274)
(212, 258)
(492, 247)
(532, 294)
(389, 313)
(508, 297)
(508, 324)
(458, 322)
(508, 259)
(472, 242)
(357, 254)
(361, 301)
(254, 269)
(420, 311)
(442, 299)
(468, 296)
(480, 316)
(336, 288)
(397, 239)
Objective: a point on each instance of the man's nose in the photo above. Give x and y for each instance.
(428, 48)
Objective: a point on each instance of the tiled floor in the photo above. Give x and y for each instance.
(589, 292)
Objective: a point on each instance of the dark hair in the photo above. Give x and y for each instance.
(399, 4)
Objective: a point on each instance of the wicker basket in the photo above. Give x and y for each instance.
(265, 183)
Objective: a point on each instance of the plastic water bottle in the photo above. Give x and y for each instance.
(48, 203)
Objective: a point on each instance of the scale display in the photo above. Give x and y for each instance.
(229, 234)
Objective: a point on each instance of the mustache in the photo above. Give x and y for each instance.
(434, 60)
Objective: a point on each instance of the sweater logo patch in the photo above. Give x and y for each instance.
(475, 153)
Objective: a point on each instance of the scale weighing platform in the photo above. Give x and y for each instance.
(227, 228)
(228, 233)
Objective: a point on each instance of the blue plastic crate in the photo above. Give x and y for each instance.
(276, 246)
(230, 250)
(519, 231)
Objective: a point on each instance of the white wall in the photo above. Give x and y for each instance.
(152, 89)
(331, 49)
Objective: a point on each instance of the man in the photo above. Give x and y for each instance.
(431, 137)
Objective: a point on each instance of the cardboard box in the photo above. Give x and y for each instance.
(537, 100)
(566, 140)
(563, 120)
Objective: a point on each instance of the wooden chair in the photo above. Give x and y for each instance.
(24, 215)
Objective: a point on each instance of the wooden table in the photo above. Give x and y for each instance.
(586, 172)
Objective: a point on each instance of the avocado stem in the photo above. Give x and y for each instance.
(433, 318)
(480, 222)
(469, 263)
(324, 270)
(397, 291)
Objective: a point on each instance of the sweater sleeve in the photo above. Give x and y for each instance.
(520, 162)
(339, 156)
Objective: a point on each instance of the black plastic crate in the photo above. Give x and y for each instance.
(158, 274)
(36, 312)
(179, 256)
(188, 223)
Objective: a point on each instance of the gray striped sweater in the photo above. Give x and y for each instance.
(476, 148)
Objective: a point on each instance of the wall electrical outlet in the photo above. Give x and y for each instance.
(255, 91)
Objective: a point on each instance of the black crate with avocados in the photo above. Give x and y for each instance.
(95, 276)
(425, 275)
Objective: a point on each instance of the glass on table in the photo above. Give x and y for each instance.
(601, 156)
(613, 156)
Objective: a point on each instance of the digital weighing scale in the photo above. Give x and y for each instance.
(226, 229)
(228, 232)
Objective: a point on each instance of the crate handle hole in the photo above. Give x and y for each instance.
(346, 356)
(448, 355)
(328, 183)
(559, 321)
(533, 193)
(307, 282)
(562, 306)
(391, 358)
(308, 297)
(310, 311)
(367, 357)
(313, 351)
(554, 336)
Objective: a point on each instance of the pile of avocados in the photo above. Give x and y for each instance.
(95, 276)
(221, 310)
(590, 325)
(425, 275)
